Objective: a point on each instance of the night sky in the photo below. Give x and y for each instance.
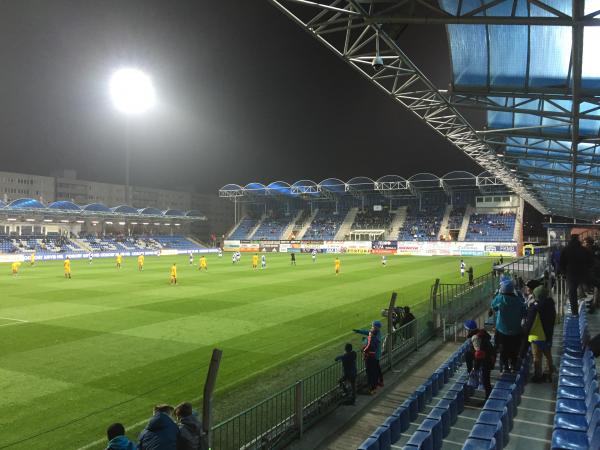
(244, 95)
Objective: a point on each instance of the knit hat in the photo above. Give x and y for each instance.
(470, 325)
(507, 287)
(377, 324)
(541, 292)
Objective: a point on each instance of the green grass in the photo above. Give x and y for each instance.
(108, 344)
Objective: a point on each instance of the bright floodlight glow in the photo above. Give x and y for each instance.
(132, 91)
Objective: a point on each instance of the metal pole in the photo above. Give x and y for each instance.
(127, 161)
(390, 324)
(209, 387)
(299, 416)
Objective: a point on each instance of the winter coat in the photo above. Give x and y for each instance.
(160, 434)
(541, 316)
(190, 432)
(510, 309)
(576, 262)
(348, 360)
(373, 347)
(120, 443)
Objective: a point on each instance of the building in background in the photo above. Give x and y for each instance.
(64, 185)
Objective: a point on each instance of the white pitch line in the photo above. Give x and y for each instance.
(13, 319)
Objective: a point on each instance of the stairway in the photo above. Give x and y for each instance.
(397, 223)
(462, 234)
(235, 227)
(83, 244)
(444, 225)
(258, 224)
(346, 225)
(304, 228)
(290, 228)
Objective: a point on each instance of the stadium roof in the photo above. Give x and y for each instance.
(66, 207)
(530, 65)
(388, 185)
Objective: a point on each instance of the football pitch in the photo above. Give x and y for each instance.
(106, 345)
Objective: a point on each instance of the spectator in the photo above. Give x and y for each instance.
(408, 316)
(190, 428)
(117, 439)
(470, 273)
(348, 359)
(161, 433)
(481, 354)
(372, 354)
(539, 328)
(510, 309)
(575, 264)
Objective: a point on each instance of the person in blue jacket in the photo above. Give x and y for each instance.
(117, 439)
(510, 310)
(162, 432)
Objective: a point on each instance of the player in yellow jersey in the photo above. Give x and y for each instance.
(174, 274)
(337, 265)
(254, 261)
(15, 268)
(32, 259)
(202, 265)
(67, 267)
(119, 260)
(141, 262)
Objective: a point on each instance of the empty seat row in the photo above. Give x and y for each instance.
(577, 418)
(437, 425)
(492, 427)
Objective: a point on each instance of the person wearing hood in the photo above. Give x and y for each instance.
(161, 433)
(510, 310)
(539, 327)
(190, 428)
(117, 439)
(480, 354)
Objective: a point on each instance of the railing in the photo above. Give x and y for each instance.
(282, 417)
(531, 266)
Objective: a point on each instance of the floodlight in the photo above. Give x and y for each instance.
(132, 91)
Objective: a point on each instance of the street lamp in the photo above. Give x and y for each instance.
(132, 93)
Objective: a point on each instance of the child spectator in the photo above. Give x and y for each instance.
(117, 439)
(348, 360)
(481, 355)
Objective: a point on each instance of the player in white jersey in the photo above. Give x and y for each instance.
(220, 252)
(383, 260)
(263, 262)
(191, 259)
(314, 255)
(462, 268)
(233, 258)
(90, 257)
(238, 256)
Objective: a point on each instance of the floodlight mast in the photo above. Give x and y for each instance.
(132, 94)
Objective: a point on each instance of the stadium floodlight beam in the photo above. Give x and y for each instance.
(132, 93)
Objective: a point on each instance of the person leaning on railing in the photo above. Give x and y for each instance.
(348, 359)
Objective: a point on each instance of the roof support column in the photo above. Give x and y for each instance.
(576, 60)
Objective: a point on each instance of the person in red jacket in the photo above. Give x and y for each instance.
(481, 355)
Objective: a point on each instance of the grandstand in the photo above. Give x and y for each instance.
(423, 208)
(63, 227)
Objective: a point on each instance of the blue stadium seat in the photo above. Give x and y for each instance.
(478, 444)
(383, 436)
(435, 427)
(488, 433)
(395, 427)
(412, 405)
(457, 398)
(421, 440)
(450, 405)
(425, 389)
(493, 418)
(403, 413)
(442, 415)
(369, 444)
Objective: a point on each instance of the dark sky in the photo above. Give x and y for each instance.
(244, 95)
